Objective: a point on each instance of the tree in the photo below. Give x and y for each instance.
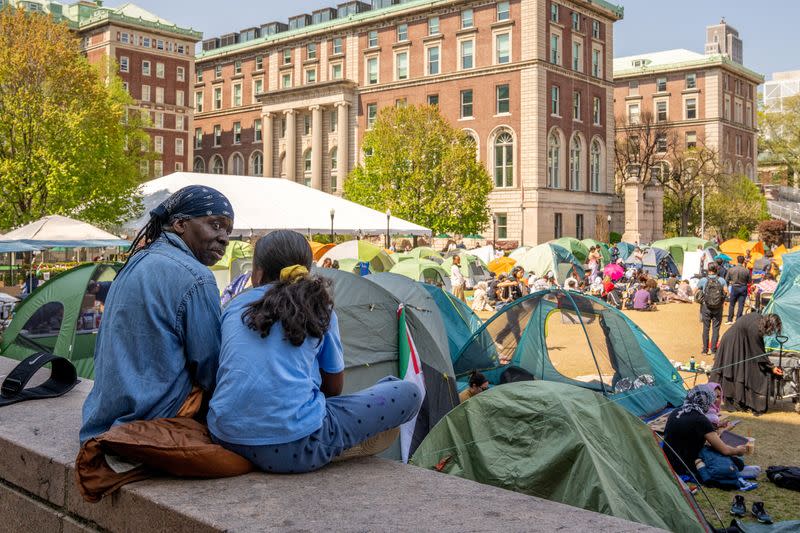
(736, 206)
(67, 145)
(424, 170)
(642, 142)
(772, 232)
(779, 136)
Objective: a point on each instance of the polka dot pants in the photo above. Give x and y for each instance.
(349, 420)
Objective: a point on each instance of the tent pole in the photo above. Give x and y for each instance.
(588, 340)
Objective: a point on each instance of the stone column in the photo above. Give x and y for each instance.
(634, 211)
(268, 137)
(291, 145)
(316, 147)
(342, 149)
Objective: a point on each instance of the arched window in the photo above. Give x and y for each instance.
(307, 167)
(575, 163)
(237, 164)
(504, 160)
(594, 166)
(660, 171)
(473, 140)
(199, 164)
(217, 165)
(553, 160)
(257, 164)
(728, 167)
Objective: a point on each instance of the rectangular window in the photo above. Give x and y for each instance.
(311, 51)
(286, 80)
(467, 19)
(402, 32)
(555, 104)
(158, 144)
(259, 62)
(146, 42)
(661, 111)
(372, 71)
(145, 93)
(217, 98)
(180, 74)
(401, 102)
(467, 54)
(401, 66)
(661, 143)
(597, 63)
(258, 88)
(466, 103)
(503, 46)
(237, 95)
(334, 120)
(691, 108)
(503, 99)
(576, 105)
(237, 133)
(691, 139)
(596, 29)
(738, 145)
(158, 168)
(336, 71)
(691, 80)
(372, 39)
(257, 130)
(306, 124)
(577, 56)
(179, 121)
(503, 11)
(179, 98)
(237, 66)
(661, 85)
(159, 44)
(748, 116)
(633, 114)
(178, 166)
(311, 76)
(372, 115)
(158, 120)
(555, 50)
(198, 101)
(199, 75)
(145, 68)
(217, 72)
(433, 60)
(576, 21)
(596, 115)
(579, 226)
(159, 95)
(501, 225)
(123, 64)
(433, 26)
(558, 226)
(337, 45)
(554, 12)
(726, 108)
(124, 38)
(433, 99)
(217, 135)
(126, 86)
(287, 56)
(633, 87)
(144, 168)
(160, 70)
(179, 146)
(198, 138)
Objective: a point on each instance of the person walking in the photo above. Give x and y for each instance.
(738, 278)
(457, 280)
(712, 289)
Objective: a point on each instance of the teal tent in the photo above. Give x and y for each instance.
(460, 322)
(574, 246)
(785, 302)
(564, 336)
(565, 444)
(625, 249)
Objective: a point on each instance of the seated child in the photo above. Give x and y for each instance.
(281, 371)
(480, 298)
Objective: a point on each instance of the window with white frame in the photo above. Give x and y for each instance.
(198, 101)
(180, 73)
(217, 135)
(306, 124)
(124, 37)
(503, 11)
(661, 84)
(160, 70)
(691, 139)
(334, 162)
(258, 88)
(179, 146)
(236, 96)
(433, 26)
(402, 32)
(217, 165)
(180, 99)
(124, 64)
(333, 120)
(738, 145)
(199, 75)
(503, 99)
(504, 160)
(691, 108)
(501, 225)
(401, 65)
(597, 117)
(596, 29)
(555, 101)
(336, 71)
(738, 112)
(576, 21)
(661, 111)
(502, 48)
(372, 70)
(597, 63)
(307, 161)
(594, 166)
(575, 150)
(577, 56)
(553, 12)
(726, 107)
(178, 166)
(158, 168)
(554, 160)
(372, 39)
(633, 88)
(311, 76)
(555, 49)
(748, 115)
(257, 131)
(144, 168)
(372, 115)
(158, 144)
(661, 143)
(286, 80)
(217, 72)
(198, 138)
(691, 80)
(634, 114)
(337, 47)
(126, 86)
(467, 54)
(466, 103)
(257, 164)
(432, 63)
(311, 51)
(237, 133)
(237, 164)
(145, 93)
(237, 66)
(576, 105)
(259, 62)
(467, 18)
(158, 120)
(159, 95)
(145, 68)
(287, 56)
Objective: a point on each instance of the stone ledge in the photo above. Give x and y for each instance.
(38, 492)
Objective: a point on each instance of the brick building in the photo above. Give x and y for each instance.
(529, 80)
(707, 98)
(156, 64)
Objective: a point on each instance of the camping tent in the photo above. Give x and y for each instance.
(238, 259)
(266, 204)
(677, 246)
(484, 253)
(422, 270)
(56, 230)
(360, 250)
(564, 444)
(460, 321)
(568, 337)
(550, 257)
(422, 252)
(368, 324)
(786, 301)
(603, 249)
(60, 317)
(574, 246)
(519, 252)
(318, 249)
(501, 265)
(656, 262)
(473, 268)
(735, 247)
(625, 249)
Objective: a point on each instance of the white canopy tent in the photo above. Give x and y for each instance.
(266, 204)
(57, 230)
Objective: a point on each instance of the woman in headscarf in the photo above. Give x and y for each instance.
(688, 429)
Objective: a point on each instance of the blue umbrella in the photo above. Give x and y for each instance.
(724, 257)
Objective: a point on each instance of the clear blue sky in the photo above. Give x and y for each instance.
(769, 28)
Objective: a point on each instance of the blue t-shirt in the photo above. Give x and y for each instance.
(268, 391)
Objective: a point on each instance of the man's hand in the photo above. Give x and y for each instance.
(778, 371)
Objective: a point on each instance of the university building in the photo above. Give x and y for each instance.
(155, 59)
(529, 80)
(707, 99)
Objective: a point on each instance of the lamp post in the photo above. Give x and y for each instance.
(388, 218)
(702, 210)
(494, 230)
(608, 233)
(333, 214)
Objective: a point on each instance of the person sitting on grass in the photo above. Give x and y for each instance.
(477, 384)
(480, 300)
(641, 299)
(281, 372)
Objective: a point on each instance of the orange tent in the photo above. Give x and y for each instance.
(318, 249)
(778, 252)
(734, 248)
(501, 265)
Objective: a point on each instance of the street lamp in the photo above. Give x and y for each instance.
(702, 210)
(388, 218)
(608, 220)
(333, 214)
(494, 230)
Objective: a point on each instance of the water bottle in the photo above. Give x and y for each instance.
(692, 364)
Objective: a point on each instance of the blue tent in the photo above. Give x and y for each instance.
(785, 302)
(460, 322)
(656, 262)
(625, 249)
(567, 337)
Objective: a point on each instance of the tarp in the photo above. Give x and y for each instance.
(574, 246)
(550, 257)
(565, 444)
(360, 250)
(786, 301)
(57, 230)
(691, 264)
(266, 204)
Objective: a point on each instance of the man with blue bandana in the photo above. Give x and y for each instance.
(161, 327)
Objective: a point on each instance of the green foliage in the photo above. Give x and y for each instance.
(614, 237)
(744, 233)
(424, 170)
(66, 146)
(779, 136)
(735, 206)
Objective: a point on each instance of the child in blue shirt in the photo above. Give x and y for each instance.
(281, 371)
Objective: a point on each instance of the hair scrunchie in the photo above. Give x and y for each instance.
(293, 273)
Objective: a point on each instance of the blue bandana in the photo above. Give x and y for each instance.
(192, 202)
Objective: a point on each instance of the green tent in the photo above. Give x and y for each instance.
(421, 252)
(565, 444)
(421, 270)
(238, 259)
(550, 257)
(361, 251)
(785, 302)
(603, 249)
(60, 317)
(574, 246)
(473, 268)
(687, 244)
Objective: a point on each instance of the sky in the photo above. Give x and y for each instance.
(767, 27)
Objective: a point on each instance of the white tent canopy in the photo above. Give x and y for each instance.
(266, 204)
(57, 230)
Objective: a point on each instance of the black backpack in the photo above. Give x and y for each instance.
(786, 477)
(713, 294)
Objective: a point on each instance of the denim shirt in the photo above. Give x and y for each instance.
(160, 334)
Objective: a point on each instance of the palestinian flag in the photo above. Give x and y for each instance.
(410, 370)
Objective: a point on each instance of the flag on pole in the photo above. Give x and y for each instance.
(410, 370)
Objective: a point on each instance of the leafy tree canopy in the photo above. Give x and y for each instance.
(424, 170)
(66, 144)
